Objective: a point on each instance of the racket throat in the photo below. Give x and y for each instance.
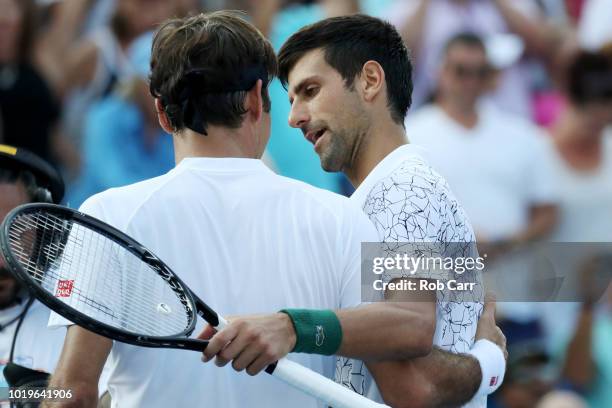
(206, 313)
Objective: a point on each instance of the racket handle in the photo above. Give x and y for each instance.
(222, 322)
(321, 387)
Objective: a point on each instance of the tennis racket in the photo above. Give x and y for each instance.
(103, 280)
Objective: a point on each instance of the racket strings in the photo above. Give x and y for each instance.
(144, 326)
(98, 277)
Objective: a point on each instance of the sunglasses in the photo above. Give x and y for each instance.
(462, 71)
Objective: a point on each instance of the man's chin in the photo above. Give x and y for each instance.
(330, 167)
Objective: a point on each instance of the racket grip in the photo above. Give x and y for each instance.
(222, 322)
(314, 384)
(321, 387)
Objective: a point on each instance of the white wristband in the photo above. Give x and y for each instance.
(492, 365)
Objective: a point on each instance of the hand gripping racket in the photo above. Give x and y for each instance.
(104, 281)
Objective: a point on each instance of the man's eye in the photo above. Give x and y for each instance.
(311, 91)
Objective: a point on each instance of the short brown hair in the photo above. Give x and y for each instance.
(222, 49)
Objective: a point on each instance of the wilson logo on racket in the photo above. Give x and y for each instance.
(64, 288)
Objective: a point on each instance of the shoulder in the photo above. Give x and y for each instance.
(413, 202)
(324, 212)
(411, 174)
(308, 195)
(117, 206)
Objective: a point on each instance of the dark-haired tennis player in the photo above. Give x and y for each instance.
(241, 237)
(349, 83)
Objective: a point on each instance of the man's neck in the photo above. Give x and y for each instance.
(377, 144)
(464, 114)
(218, 143)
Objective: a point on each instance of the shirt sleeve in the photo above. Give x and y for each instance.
(414, 217)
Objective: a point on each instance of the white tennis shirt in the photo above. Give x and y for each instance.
(246, 241)
(408, 201)
(497, 170)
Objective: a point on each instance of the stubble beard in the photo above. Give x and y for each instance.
(335, 155)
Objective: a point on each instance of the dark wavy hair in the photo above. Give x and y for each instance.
(348, 43)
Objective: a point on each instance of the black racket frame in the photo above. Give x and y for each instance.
(190, 301)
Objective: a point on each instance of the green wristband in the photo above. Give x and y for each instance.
(317, 331)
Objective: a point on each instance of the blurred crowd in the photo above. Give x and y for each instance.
(512, 105)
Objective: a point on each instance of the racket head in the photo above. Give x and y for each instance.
(36, 241)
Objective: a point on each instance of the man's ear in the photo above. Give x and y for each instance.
(372, 80)
(164, 122)
(254, 101)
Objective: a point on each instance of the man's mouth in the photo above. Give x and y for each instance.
(314, 135)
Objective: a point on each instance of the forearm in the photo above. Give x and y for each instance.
(440, 379)
(263, 13)
(52, 47)
(542, 220)
(454, 378)
(387, 331)
(578, 367)
(79, 368)
(534, 33)
(412, 30)
(374, 332)
(81, 396)
(335, 8)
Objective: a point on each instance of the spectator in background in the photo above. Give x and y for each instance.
(561, 399)
(123, 141)
(492, 161)
(588, 358)
(582, 141)
(24, 336)
(28, 110)
(528, 378)
(94, 65)
(427, 25)
(496, 164)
